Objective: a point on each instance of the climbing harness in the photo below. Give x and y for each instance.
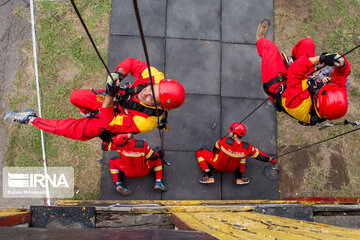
(276, 97)
(162, 124)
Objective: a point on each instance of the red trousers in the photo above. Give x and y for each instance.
(85, 100)
(272, 63)
(206, 157)
(119, 163)
(79, 129)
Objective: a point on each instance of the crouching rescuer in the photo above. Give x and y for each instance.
(136, 160)
(229, 155)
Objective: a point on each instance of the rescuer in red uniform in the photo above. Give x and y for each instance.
(136, 160)
(289, 89)
(229, 155)
(133, 112)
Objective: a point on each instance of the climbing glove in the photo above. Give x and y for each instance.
(111, 87)
(330, 59)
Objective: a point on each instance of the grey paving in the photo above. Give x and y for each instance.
(238, 75)
(182, 178)
(194, 63)
(191, 124)
(260, 126)
(153, 15)
(240, 19)
(199, 19)
(122, 47)
(208, 46)
(258, 188)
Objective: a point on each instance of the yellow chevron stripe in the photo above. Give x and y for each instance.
(256, 154)
(149, 154)
(133, 154)
(232, 154)
(158, 168)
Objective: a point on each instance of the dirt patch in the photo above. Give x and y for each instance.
(288, 18)
(338, 174)
(331, 168)
(312, 172)
(293, 171)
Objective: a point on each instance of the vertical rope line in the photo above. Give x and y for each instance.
(138, 18)
(39, 100)
(91, 39)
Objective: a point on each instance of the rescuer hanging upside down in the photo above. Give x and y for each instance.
(229, 155)
(289, 88)
(133, 111)
(136, 160)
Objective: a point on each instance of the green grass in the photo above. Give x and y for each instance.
(64, 49)
(334, 27)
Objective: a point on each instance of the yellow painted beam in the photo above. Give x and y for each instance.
(190, 220)
(173, 202)
(12, 212)
(252, 225)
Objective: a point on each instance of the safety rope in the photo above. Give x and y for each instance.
(138, 19)
(91, 39)
(247, 116)
(313, 144)
(47, 190)
(6, 1)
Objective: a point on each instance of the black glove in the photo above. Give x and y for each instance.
(106, 135)
(330, 59)
(111, 88)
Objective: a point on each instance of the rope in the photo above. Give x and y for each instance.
(47, 192)
(91, 39)
(145, 51)
(247, 116)
(313, 144)
(342, 55)
(2, 4)
(138, 19)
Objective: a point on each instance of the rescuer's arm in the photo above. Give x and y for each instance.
(258, 155)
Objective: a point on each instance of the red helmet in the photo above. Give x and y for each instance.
(171, 94)
(120, 139)
(333, 103)
(238, 128)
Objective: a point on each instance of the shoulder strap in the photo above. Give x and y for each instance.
(135, 90)
(130, 104)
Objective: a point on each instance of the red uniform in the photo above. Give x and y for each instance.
(296, 99)
(136, 160)
(125, 121)
(229, 155)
